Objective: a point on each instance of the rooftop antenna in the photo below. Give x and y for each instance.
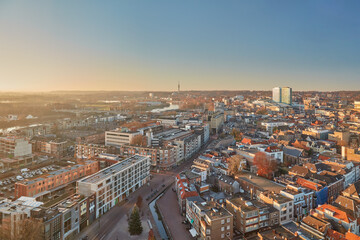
(178, 86)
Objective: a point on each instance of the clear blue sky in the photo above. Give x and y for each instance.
(206, 45)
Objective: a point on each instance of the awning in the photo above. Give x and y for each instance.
(193, 232)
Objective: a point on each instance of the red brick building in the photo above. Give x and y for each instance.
(52, 180)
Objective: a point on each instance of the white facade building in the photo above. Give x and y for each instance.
(117, 137)
(113, 184)
(15, 146)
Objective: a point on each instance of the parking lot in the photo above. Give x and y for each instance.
(7, 185)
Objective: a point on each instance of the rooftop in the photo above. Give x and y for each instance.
(260, 182)
(101, 175)
(213, 210)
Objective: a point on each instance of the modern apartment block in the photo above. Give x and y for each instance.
(46, 183)
(252, 215)
(282, 95)
(216, 121)
(119, 137)
(87, 151)
(276, 94)
(214, 221)
(303, 200)
(14, 147)
(113, 184)
(161, 157)
(283, 204)
(286, 95)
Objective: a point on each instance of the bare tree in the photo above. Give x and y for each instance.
(26, 229)
(139, 140)
(234, 164)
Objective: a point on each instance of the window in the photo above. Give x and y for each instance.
(228, 227)
(228, 220)
(222, 235)
(222, 221)
(222, 229)
(47, 227)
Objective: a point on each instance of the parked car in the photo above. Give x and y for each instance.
(19, 178)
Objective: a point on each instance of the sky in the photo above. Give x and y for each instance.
(142, 45)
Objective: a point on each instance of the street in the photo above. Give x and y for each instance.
(107, 225)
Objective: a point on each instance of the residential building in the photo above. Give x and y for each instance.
(283, 204)
(88, 151)
(303, 200)
(185, 187)
(13, 146)
(115, 183)
(315, 227)
(276, 94)
(162, 158)
(342, 217)
(210, 220)
(251, 215)
(286, 95)
(55, 147)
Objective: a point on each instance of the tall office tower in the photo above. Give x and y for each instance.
(286, 95)
(277, 94)
(357, 105)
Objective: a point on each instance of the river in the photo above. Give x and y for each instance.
(159, 223)
(171, 107)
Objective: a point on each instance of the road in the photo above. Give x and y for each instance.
(106, 224)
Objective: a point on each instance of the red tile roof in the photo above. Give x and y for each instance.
(338, 214)
(332, 234)
(308, 184)
(351, 236)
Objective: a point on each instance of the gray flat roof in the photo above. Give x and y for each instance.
(106, 172)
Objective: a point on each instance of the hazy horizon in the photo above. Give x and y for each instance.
(151, 46)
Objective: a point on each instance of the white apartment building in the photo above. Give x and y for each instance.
(282, 203)
(271, 125)
(15, 146)
(118, 137)
(303, 200)
(113, 184)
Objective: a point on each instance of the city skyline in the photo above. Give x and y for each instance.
(145, 46)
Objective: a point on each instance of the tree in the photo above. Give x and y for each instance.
(135, 227)
(262, 111)
(265, 165)
(139, 202)
(29, 229)
(275, 130)
(139, 140)
(234, 164)
(236, 134)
